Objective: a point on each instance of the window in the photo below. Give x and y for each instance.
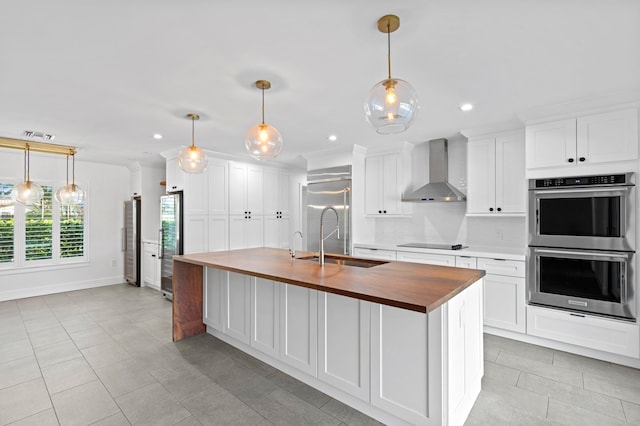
(6, 224)
(43, 234)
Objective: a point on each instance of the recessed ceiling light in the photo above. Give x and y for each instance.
(333, 138)
(466, 107)
(157, 136)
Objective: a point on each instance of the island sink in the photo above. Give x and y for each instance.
(346, 261)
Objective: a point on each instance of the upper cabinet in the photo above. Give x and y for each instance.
(496, 174)
(175, 175)
(277, 192)
(248, 187)
(586, 140)
(384, 185)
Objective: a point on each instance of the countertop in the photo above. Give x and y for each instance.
(413, 286)
(507, 253)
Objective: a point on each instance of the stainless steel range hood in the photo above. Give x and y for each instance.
(438, 189)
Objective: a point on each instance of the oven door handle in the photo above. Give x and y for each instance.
(584, 254)
(583, 190)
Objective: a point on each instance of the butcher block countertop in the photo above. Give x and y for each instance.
(413, 286)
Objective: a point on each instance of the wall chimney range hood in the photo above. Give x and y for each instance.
(438, 189)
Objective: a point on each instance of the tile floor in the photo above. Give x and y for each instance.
(104, 356)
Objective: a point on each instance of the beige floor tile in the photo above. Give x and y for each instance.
(84, 404)
(65, 375)
(23, 400)
(19, 371)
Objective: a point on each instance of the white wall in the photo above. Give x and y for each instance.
(151, 192)
(107, 187)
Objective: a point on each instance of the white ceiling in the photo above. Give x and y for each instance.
(106, 75)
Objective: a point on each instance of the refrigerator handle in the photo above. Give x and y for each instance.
(346, 221)
(123, 236)
(161, 243)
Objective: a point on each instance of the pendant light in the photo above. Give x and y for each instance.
(392, 104)
(192, 159)
(70, 195)
(27, 192)
(263, 141)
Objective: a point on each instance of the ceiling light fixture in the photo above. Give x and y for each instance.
(70, 195)
(157, 136)
(332, 138)
(466, 107)
(392, 104)
(27, 192)
(192, 159)
(263, 141)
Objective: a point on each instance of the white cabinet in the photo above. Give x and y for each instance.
(496, 175)
(428, 258)
(218, 187)
(371, 253)
(343, 343)
(277, 231)
(136, 183)
(195, 233)
(213, 298)
(265, 316)
(196, 193)
(218, 225)
(590, 139)
(299, 328)
(175, 176)
(277, 192)
(245, 189)
(245, 231)
(466, 262)
(603, 334)
(150, 264)
(504, 294)
(237, 310)
(384, 184)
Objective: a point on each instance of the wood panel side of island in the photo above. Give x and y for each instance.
(187, 300)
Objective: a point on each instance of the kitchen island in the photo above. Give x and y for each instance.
(401, 342)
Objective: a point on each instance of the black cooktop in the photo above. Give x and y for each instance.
(435, 246)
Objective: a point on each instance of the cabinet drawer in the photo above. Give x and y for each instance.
(428, 258)
(466, 262)
(368, 253)
(510, 268)
(602, 334)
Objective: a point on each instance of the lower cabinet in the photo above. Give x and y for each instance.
(299, 328)
(428, 258)
(400, 366)
(504, 294)
(378, 254)
(237, 320)
(343, 343)
(150, 265)
(265, 316)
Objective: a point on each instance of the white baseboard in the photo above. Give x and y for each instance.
(59, 288)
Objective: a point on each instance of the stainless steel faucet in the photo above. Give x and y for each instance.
(292, 250)
(322, 237)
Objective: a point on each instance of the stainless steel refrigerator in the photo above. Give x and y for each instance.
(170, 238)
(131, 241)
(330, 187)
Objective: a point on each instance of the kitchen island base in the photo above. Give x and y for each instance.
(395, 365)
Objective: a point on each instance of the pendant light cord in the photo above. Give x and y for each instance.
(27, 159)
(389, 48)
(193, 130)
(263, 105)
(73, 171)
(67, 170)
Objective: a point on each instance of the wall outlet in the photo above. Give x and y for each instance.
(114, 263)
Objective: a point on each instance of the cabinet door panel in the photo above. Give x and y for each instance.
(373, 185)
(466, 262)
(255, 190)
(218, 172)
(237, 232)
(343, 345)
(511, 191)
(391, 184)
(551, 144)
(213, 306)
(237, 307)
(611, 136)
(196, 194)
(254, 232)
(299, 328)
(237, 188)
(427, 258)
(218, 233)
(195, 234)
(504, 302)
(265, 316)
(284, 193)
(481, 168)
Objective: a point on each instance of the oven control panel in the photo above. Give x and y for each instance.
(621, 179)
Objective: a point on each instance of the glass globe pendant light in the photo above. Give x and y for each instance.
(70, 195)
(392, 104)
(263, 141)
(192, 159)
(27, 192)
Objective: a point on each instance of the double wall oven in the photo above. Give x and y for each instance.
(582, 242)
